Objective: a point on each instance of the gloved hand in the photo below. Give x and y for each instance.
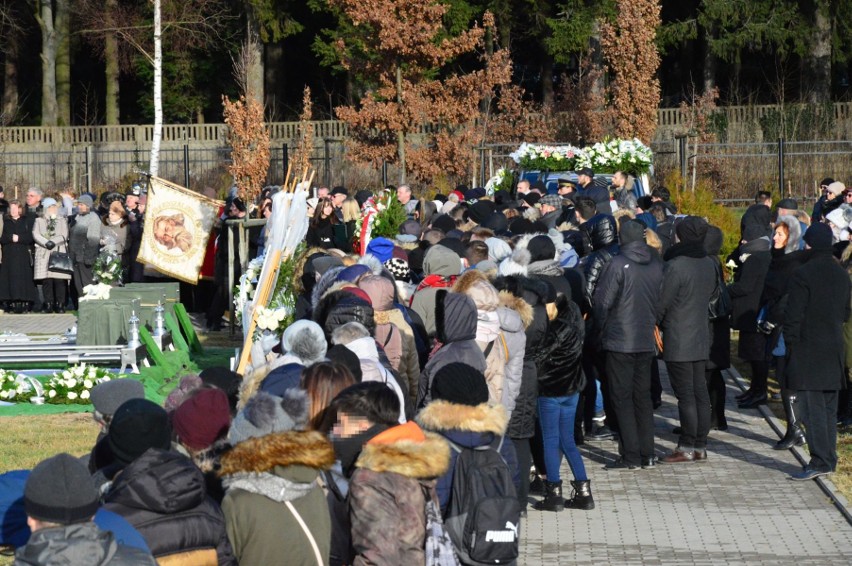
(765, 327)
(49, 244)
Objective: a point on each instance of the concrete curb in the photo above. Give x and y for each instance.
(840, 502)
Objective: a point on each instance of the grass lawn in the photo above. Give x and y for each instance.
(842, 478)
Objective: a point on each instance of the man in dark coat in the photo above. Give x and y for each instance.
(625, 312)
(817, 307)
(690, 279)
(588, 188)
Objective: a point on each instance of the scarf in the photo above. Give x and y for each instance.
(435, 282)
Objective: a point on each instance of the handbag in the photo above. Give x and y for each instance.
(720, 301)
(60, 262)
(658, 340)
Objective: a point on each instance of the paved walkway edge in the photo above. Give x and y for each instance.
(840, 502)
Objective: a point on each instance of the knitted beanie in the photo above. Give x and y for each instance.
(60, 490)
(461, 384)
(202, 419)
(108, 396)
(138, 425)
(267, 414)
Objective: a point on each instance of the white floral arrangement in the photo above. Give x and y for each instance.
(107, 268)
(502, 180)
(551, 157)
(609, 156)
(73, 386)
(96, 291)
(15, 387)
(245, 290)
(272, 321)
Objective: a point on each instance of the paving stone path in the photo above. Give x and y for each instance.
(738, 508)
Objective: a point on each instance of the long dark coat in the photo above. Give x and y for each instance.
(16, 276)
(817, 307)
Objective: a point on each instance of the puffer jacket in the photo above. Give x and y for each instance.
(261, 476)
(456, 330)
(338, 306)
(752, 259)
(162, 495)
(373, 370)
(515, 316)
(626, 300)
(393, 332)
(489, 334)
(467, 427)
(530, 292)
(560, 372)
(603, 234)
(395, 473)
(80, 543)
(441, 266)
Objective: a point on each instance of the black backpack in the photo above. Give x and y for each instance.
(483, 515)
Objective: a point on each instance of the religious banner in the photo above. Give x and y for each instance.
(177, 225)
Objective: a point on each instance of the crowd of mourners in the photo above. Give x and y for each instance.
(74, 227)
(429, 388)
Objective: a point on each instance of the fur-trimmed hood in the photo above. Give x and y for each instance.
(518, 305)
(292, 448)
(422, 455)
(443, 416)
(209, 460)
(476, 285)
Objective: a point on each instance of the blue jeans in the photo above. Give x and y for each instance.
(598, 398)
(556, 415)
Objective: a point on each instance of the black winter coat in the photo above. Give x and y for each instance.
(778, 280)
(603, 234)
(522, 422)
(560, 372)
(321, 235)
(162, 494)
(689, 280)
(752, 259)
(720, 332)
(817, 307)
(626, 300)
(337, 307)
(16, 277)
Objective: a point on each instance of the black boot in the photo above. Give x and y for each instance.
(537, 486)
(794, 435)
(552, 498)
(581, 496)
(59, 307)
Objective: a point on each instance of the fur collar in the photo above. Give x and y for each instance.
(518, 305)
(208, 460)
(467, 279)
(310, 449)
(445, 416)
(426, 459)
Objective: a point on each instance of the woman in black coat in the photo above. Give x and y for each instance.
(321, 228)
(720, 341)
(752, 259)
(521, 428)
(786, 257)
(17, 287)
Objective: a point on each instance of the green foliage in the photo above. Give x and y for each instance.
(274, 18)
(700, 203)
(573, 26)
(390, 219)
(753, 25)
(182, 97)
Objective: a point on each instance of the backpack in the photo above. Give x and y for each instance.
(483, 515)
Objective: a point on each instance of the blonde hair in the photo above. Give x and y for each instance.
(351, 210)
(552, 311)
(653, 240)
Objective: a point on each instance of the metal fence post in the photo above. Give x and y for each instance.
(326, 163)
(781, 167)
(482, 179)
(186, 166)
(88, 169)
(285, 162)
(384, 173)
(683, 159)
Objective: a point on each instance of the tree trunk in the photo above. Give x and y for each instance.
(596, 57)
(112, 73)
(400, 135)
(157, 136)
(710, 63)
(44, 17)
(63, 63)
(547, 96)
(819, 57)
(10, 83)
(273, 80)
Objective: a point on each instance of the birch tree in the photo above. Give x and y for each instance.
(157, 61)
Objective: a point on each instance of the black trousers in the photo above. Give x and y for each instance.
(82, 277)
(718, 392)
(818, 410)
(693, 402)
(54, 291)
(629, 379)
(522, 451)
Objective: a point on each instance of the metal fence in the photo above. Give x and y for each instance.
(88, 168)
